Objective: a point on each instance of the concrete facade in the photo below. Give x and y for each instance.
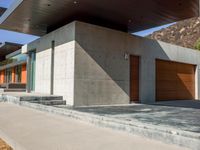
(63, 61)
(91, 66)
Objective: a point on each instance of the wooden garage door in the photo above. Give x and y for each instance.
(134, 78)
(174, 81)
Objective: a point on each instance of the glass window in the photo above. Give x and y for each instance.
(18, 72)
(8, 78)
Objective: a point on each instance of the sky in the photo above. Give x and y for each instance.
(15, 37)
(5, 3)
(150, 31)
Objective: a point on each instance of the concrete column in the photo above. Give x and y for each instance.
(147, 80)
(52, 68)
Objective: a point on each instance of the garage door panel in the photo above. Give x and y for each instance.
(166, 95)
(174, 81)
(185, 89)
(167, 76)
(184, 95)
(180, 84)
(184, 68)
(186, 77)
(166, 85)
(165, 66)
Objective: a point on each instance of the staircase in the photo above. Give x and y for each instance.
(13, 87)
(44, 100)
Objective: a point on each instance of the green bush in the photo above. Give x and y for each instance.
(197, 44)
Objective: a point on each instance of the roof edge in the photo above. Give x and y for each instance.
(9, 11)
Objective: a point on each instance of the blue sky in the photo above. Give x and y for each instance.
(149, 31)
(14, 37)
(5, 3)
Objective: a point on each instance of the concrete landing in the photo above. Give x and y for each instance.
(29, 129)
(162, 115)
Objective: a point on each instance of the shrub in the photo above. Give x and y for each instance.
(197, 44)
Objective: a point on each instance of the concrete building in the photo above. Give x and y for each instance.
(93, 65)
(104, 64)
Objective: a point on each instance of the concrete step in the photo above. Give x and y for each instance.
(37, 98)
(14, 90)
(49, 102)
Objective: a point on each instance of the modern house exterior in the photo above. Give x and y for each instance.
(103, 64)
(12, 67)
(94, 65)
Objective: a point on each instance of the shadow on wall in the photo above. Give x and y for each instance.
(107, 48)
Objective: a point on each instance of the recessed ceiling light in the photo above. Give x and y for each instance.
(75, 2)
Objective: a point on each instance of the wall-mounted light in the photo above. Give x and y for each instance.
(126, 56)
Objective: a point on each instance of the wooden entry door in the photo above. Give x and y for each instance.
(174, 81)
(134, 78)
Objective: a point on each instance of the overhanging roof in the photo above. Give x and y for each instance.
(40, 16)
(7, 48)
(2, 10)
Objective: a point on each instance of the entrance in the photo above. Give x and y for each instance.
(31, 74)
(134, 78)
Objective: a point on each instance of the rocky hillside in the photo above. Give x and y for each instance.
(184, 33)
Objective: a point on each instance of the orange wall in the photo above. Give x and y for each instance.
(13, 74)
(23, 75)
(24, 80)
(2, 76)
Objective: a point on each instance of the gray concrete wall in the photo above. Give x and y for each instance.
(90, 67)
(102, 72)
(63, 62)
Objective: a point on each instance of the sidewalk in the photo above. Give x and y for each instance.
(29, 129)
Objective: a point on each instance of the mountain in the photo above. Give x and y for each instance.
(185, 33)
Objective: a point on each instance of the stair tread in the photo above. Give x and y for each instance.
(49, 102)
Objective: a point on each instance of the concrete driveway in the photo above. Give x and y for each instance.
(180, 115)
(184, 104)
(29, 129)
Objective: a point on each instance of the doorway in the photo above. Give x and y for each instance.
(31, 76)
(134, 78)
